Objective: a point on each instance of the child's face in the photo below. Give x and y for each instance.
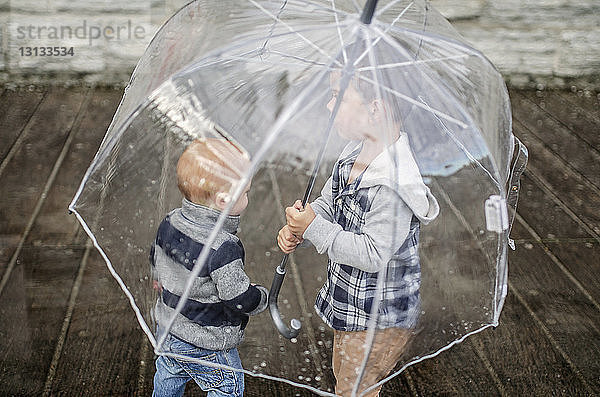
(353, 118)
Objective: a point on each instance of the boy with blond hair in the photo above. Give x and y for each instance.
(211, 324)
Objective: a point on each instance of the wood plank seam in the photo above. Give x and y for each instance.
(580, 177)
(559, 121)
(411, 382)
(538, 180)
(552, 341)
(22, 135)
(144, 358)
(66, 146)
(488, 365)
(67, 320)
(560, 265)
(590, 116)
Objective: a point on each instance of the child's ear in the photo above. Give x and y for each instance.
(376, 106)
(378, 111)
(221, 200)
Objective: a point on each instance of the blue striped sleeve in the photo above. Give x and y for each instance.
(246, 302)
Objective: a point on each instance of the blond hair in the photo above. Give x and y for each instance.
(209, 166)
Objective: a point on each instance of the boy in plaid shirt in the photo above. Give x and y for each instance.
(367, 220)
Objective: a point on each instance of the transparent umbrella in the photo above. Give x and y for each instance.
(289, 84)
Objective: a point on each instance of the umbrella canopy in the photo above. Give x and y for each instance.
(262, 74)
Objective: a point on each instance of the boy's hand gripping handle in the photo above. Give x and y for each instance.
(280, 272)
(295, 324)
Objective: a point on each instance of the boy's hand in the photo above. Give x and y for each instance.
(286, 240)
(299, 218)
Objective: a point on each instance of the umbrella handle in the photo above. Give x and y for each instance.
(280, 272)
(273, 295)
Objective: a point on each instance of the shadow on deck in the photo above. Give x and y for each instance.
(67, 328)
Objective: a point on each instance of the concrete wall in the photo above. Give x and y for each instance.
(552, 43)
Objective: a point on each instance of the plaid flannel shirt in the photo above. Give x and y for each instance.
(345, 301)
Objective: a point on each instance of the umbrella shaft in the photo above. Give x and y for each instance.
(313, 177)
(281, 267)
(368, 12)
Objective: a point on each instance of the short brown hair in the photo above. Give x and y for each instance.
(363, 80)
(209, 166)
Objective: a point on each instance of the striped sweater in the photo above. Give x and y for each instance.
(221, 298)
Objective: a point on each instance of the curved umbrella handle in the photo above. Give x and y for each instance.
(273, 295)
(280, 273)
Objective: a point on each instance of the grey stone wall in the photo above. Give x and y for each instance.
(553, 43)
(549, 43)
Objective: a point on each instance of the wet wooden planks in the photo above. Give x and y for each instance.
(102, 330)
(16, 109)
(68, 326)
(38, 272)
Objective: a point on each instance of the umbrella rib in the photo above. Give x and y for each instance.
(307, 61)
(417, 103)
(398, 17)
(432, 37)
(372, 321)
(283, 55)
(391, 25)
(217, 56)
(291, 29)
(462, 147)
(385, 31)
(444, 94)
(272, 29)
(322, 6)
(438, 88)
(337, 22)
(411, 63)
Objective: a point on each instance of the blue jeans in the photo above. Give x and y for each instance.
(172, 374)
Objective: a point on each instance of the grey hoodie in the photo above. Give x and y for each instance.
(402, 194)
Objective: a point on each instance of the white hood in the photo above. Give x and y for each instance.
(403, 176)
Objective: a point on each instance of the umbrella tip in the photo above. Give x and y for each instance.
(368, 11)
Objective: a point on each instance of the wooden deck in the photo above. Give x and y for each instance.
(67, 329)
